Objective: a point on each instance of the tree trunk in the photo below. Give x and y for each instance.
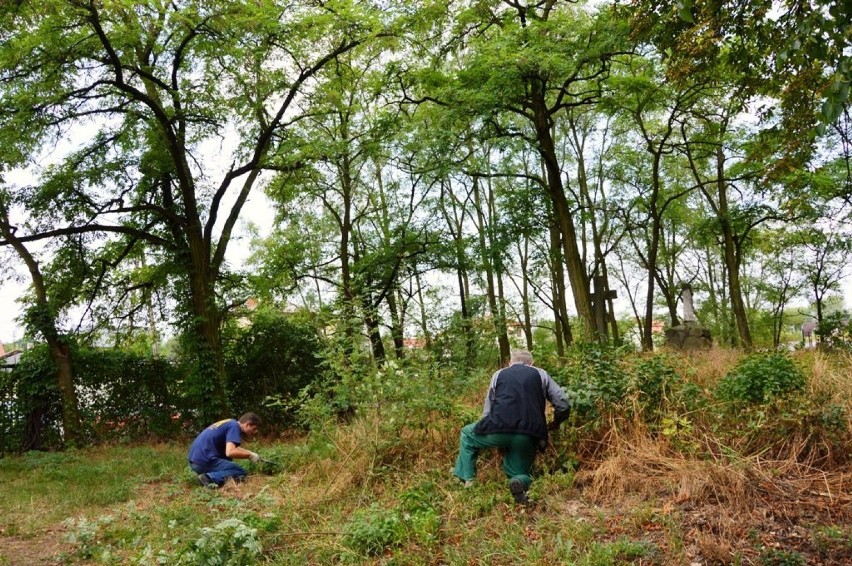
(523, 254)
(488, 266)
(424, 327)
(373, 332)
(42, 319)
(592, 209)
(560, 307)
(573, 259)
(206, 327)
(731, 255)
(653, 250)
(396, 326)
(454, 225)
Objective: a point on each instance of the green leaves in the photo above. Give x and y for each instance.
(684, 10)
(761, 379)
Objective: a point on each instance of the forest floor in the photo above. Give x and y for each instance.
(567, 523)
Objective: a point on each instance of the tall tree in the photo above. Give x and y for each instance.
(41, 319)
(653, 110)
(162, 84)
(552, 56)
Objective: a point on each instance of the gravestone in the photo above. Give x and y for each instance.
(689, 335)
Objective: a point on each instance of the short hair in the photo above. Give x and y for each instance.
(521, 357)
(250, 418)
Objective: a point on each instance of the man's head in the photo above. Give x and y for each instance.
(249, 423)
(521, 357)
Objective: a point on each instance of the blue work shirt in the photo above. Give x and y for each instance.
(210, 444)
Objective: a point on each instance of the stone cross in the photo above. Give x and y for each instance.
(688, 310)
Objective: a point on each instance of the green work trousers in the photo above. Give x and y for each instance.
(518, 456)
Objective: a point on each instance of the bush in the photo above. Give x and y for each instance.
(119, 395)
(31, 404)
(269, 363)
(230, 543)
(657, 383)
(373, 530)
(760, 378)
(127, 395)
(835, 331)
(594, 380)
(417, 518)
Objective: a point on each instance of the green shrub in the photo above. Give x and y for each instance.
(31, 404)
(269, 363)
(760, 378)
(657, 384)
(371, 531)
(120, 395)
(127, 395)
(594, 380)
(777, 557)
(87, 535)
(835, 331)
(230, 543)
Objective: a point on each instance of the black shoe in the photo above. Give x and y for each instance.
(205, 481)
(519, 491)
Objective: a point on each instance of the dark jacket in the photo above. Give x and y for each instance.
(516, 401)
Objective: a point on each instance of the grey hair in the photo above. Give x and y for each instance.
(521, 357)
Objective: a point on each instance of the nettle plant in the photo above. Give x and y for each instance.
(761, 378)
(370, 532)
(595, 380)
(229, 543)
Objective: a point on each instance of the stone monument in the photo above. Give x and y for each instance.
(689, 335)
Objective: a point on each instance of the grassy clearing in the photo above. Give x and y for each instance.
(674, 486)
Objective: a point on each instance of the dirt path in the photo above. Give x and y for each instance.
(45, 548)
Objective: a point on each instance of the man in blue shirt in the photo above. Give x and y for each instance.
(212, 451)
(513, 419)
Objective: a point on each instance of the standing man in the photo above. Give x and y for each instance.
(212, 451)
(513, 419)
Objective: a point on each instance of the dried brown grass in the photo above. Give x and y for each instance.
(632, 461)
(368, 447)
(829, 377)
(706, 367)
(636, 462)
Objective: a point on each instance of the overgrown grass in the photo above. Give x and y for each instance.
(664, 473)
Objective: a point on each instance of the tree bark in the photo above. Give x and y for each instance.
(731, 254)
(487, 254)
(43, 320)
(573, 259)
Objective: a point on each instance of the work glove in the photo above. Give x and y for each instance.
(254, 457)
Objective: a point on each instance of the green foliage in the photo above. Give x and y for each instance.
(831, 539)
(417, 518)
(779, 557)
(622, 551)
(87, 536)
(466, 343)
(121, 395)
(761, 378)
(371, 531)
(270, 363)
(594, 380)
(657, 382)
(32, 408)
(124, 395)
(230, 543)
(835, 331)
(401, 393)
